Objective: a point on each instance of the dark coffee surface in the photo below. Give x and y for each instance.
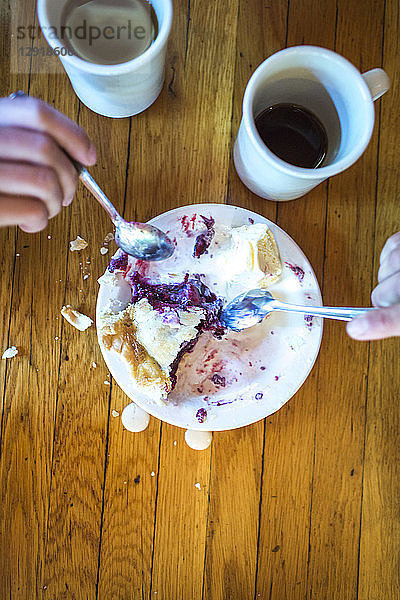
(294, 134)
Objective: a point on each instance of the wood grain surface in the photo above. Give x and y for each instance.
(304, 504)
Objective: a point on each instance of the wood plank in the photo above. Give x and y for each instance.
(83, 403)
(27, 401)
(128, 508)
(339, 445)
(290, 434)
(127, 549)
(380, 532)
(232, 531)
(181, 517)
(71, 533)
(233, 522)
(254, 44)
(193, 169)
(7, 235)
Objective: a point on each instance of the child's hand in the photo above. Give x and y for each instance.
(385, 322)
(36, 176)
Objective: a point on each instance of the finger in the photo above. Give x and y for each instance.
(29, 213)
(391, 243)
(376, 325)
(37, 182)
(29, 146)
(390, 265)
(387, 292)
(32, 113)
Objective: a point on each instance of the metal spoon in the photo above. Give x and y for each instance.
(140, 240)
(251, 307)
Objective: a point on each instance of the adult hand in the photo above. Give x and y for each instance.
(36, 176)
(384, 322)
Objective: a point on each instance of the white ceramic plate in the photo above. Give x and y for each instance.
(262, 366)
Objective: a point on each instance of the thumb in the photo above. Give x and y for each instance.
(376, 324)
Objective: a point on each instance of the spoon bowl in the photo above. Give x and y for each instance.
(142, 241)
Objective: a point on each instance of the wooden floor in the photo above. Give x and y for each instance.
(304, 504)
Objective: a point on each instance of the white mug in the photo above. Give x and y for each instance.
(116, 90)
(329, 86)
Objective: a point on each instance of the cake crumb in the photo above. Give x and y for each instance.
(86, 276)
(175, 442)
(78, 244)
(49, 237)
(152, 474)
(197, 485)
(94, 365)
(103, 250)
(106, 382)
(75, 318)
(10, 352)
(109, 237)
(115, 413)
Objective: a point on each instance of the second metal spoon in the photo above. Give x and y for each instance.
(251, 307)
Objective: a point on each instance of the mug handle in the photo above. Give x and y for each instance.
(377, 81)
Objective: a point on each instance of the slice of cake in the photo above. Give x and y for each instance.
(162, 323)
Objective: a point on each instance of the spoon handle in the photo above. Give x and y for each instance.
(97, 192)
(342, 313)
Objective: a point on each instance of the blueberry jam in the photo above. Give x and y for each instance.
(120, 263)
(204, 240)
(309, 321)
(185, 348)
(218, 379)
(201, 415)
(298, 271)
(189, 293)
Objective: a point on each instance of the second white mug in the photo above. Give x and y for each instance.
(112, 90)
(331, 89)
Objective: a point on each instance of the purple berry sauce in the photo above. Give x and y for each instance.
(308, 320)
(298, 271)
(204, 240)
(189, 293)
(259, 395)
(119, 264)
(188, 223)
(201, 415)
(218, 379)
